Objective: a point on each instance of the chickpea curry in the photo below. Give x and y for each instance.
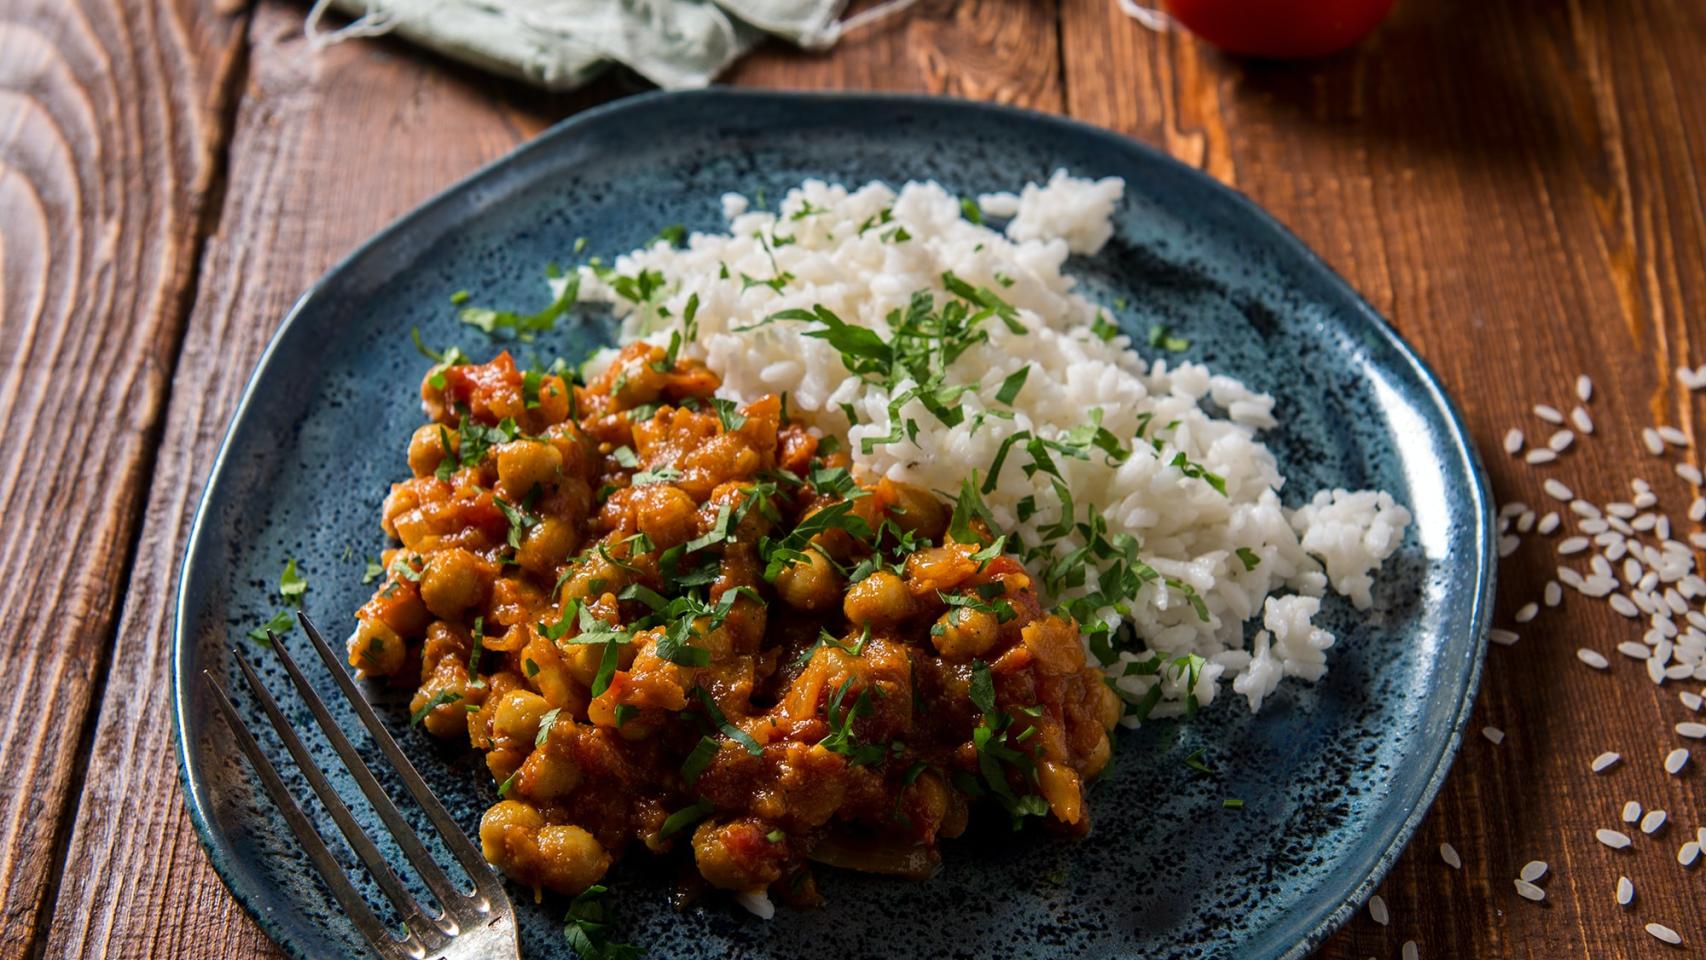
(674, 622)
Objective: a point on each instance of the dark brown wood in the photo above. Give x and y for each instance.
(112, 120)
(1518, 187)
(308, 181)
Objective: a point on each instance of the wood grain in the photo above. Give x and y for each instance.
(308, 181)
(1001, 50)
(112, 119)
(1518, 188)
(137, 883)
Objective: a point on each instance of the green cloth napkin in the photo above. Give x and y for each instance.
(559, 44)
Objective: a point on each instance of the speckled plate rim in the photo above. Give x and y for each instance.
(1329, 914)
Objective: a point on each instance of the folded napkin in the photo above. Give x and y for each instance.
(558, 44)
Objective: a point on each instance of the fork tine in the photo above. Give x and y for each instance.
(485, 881)
(353, 903)
(454, 901)
(358, 838)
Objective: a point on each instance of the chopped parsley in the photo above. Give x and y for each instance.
(292, 584)
(587, 928)
(523, 325)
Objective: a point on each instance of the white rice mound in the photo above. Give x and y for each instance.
(1187, 530)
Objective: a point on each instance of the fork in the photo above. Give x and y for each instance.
(472, 925)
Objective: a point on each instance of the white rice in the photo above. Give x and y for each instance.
(1605, 761)
(1533, 870)
(1625, 891)
(1189, 532)
(1449, 854)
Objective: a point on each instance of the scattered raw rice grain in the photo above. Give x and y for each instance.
(1548, 523)
(1691, 700)
(1592, 658)
(1560, 441)
(1548, 413)
(1503, 638)
(1557, 490)
(1692, 379)
(1579, 417)
(1697, 509)
(1605, 761)
(1494, 734)
(1409, 951)
(1688, 853)
(1584, 388)
(1652, 821)
(1620, 509)
(1554, 594)
(1624, 605)
(1448, 853)
(1527, 612)
(1690, 473)
(1377, 910)
(1525, 522)
(1529, 891)
(1625, 891)
(1631, 812)
(1533, 870)
(1673, 436)
(1633, 650)
(1656, 670)
(1601, 567)
(1612, 838)
(1539, 456)
(1508, 544)
(1572, 545)
(1654, 443)
(1676, 760)
(1691, 730)
(1513, 441)
(1664, 933)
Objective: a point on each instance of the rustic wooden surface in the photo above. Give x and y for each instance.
(1516, 185)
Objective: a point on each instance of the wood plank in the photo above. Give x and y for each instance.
(137, 883)
(1001, 50)
(112, 122)
(1518, 189)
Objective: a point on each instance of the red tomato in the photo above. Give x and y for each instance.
(1280, 29)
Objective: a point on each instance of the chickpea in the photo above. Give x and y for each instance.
(375, 650)
(505, 826)
(665, 514)
(570, 858)
(426, 448)
(402, 499)
(965, 633)
(1055, 644)
(1098, 756)
(554, 399)
(518, 714)
(454, 580)
(547, 776)
(1060, 786)
(548, 543)
(879, 600)
(917, 510)
(1109, 709)
(524, 464)
(809, 584)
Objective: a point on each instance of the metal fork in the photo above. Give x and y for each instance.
(473, 925)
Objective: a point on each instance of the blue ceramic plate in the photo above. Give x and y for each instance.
(1334, 776)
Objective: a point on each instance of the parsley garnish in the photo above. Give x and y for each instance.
(729, 730)
(523, 325)
(1160, 337)
(586, 927)
(292, 584)
(684, 818)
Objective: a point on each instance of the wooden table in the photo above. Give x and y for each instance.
(1517, 185)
